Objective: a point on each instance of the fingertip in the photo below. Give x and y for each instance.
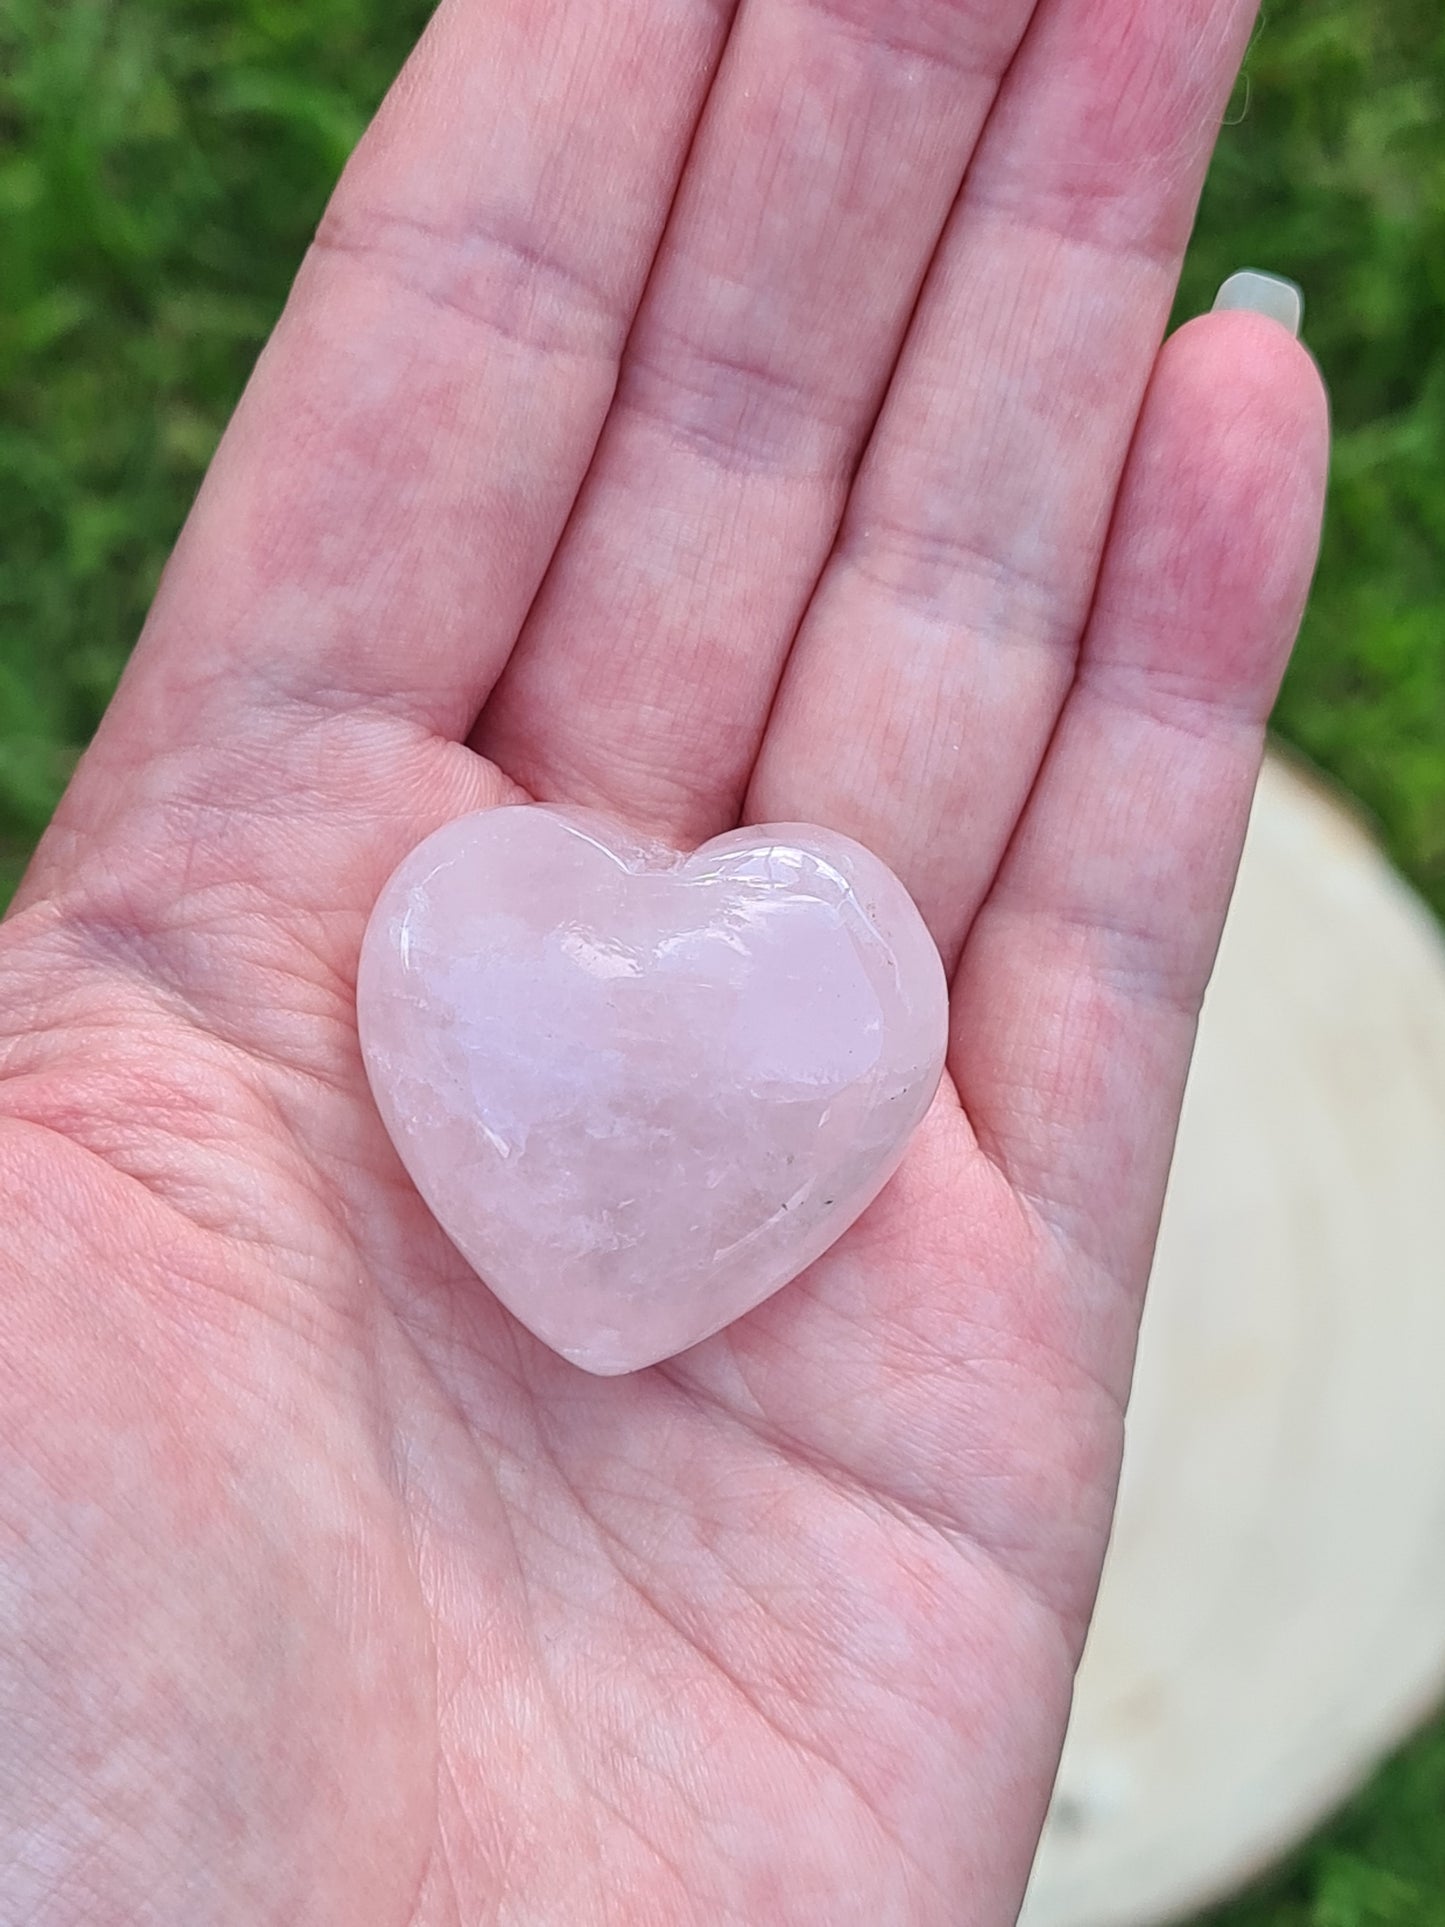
(1239, 360)
(1217, 528)
(1239, 405)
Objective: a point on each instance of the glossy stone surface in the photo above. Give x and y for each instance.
(641, 1091)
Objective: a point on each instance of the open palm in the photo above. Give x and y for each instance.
(704, 413)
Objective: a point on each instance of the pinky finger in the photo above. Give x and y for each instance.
(1076, 998)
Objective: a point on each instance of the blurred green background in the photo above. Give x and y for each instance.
(161, 163)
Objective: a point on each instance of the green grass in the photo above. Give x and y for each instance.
(1381, 1863)
(1335, 174)
(161, 163)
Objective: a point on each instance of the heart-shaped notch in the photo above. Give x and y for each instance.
(642, 1091)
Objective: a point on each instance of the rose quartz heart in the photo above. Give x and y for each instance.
(641, 1091)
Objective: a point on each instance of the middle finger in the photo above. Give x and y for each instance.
(831, 151)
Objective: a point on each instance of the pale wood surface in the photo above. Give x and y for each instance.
(1273, 1613)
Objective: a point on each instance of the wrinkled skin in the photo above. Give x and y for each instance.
(705, 418)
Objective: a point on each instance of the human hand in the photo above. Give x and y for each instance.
(754, 471)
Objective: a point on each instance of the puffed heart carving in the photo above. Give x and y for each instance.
(639, 1090)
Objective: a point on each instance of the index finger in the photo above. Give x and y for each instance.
(387, 497)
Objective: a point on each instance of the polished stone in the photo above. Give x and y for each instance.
(642, 1091)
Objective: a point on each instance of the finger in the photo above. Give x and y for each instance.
(386, 499)
(830, 152)
(928, 675)
(1076, 999)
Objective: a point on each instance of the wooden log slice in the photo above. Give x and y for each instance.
(1272, 1618)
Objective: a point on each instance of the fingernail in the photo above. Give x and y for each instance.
(1268, 294)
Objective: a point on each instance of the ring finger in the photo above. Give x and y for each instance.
(935, 657)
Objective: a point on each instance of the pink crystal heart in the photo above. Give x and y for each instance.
(641, 1091)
